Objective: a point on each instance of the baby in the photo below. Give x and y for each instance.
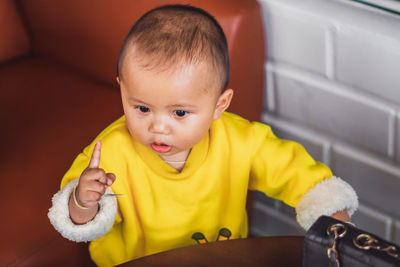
(176, 168)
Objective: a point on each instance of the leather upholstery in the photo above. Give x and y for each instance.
(14, 40)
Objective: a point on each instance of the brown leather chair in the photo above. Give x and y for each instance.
(58, 91)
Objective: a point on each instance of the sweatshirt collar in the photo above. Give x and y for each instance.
(195, 159)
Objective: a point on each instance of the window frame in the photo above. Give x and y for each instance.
(392, 6)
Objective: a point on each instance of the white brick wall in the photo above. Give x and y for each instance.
(379, 74)
(346, 115)
(333, 84)
(284, 31)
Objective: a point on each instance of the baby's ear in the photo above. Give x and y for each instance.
(224, 100)
(118, 81)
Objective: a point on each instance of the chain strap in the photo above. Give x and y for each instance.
(366, 242)
(362, 241)
(339, 230)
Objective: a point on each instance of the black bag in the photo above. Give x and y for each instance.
(330, 242)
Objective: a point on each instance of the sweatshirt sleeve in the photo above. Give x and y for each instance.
(327, 197)
(284, 170)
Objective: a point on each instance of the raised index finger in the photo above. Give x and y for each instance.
(95, 159)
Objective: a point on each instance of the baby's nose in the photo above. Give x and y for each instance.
(159, 126)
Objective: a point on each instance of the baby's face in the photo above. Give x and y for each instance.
(171, 111)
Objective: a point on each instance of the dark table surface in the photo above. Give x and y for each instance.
(258, 251)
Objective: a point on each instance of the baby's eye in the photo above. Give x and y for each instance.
(142, 109)
(180, 113)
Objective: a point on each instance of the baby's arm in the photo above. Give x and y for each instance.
(93, 183)
(97, 214)
(342, 215)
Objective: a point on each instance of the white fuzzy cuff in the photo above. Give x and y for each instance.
(96, 228)
(325, 198)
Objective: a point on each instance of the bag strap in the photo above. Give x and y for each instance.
(366, 242)
(335, 232)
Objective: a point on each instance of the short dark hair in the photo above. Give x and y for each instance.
(176, 34)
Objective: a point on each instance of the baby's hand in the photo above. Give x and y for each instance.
(93, 181)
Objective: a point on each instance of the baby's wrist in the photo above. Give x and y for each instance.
(81, 216)
(75, 199)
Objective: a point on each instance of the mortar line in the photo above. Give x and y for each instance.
(391, 135)
(326, 153)
(271, 103)
(330, 62)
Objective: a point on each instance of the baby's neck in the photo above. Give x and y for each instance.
(178, 165)
(177, 161)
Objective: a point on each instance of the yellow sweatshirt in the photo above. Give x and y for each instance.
(162, 208)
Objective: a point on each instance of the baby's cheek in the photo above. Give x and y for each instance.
(191, 138)
(137, 132)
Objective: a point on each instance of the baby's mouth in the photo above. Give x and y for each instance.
(160, 147)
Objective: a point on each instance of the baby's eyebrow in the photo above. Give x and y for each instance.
(182, 106)
(137, 100)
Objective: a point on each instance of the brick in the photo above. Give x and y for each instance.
(319, 106)
(369, 62)
(294, 40)
(378, 187)
(267, 221)
(373, 222)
